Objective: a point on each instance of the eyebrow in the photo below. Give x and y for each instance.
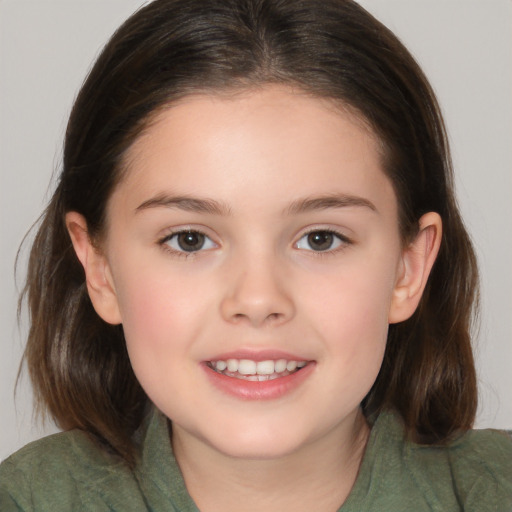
(327, 202)
(212, 207)
(186, 203)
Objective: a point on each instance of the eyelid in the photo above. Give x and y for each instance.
(173, 232)
(343, 239)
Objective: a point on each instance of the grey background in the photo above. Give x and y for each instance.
(465, 47)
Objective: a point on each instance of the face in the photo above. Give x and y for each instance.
(253, 255)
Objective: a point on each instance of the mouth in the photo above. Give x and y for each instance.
(256, 371)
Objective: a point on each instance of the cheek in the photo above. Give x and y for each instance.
(159, 311)
(349, 312)
(160, 325)
(355, 300)
(355, 334)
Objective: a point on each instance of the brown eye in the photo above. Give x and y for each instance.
(321, 241)
(189, 241)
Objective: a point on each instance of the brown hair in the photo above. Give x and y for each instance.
(330, 48)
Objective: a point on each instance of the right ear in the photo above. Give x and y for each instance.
(98, 276)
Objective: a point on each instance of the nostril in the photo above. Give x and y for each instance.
(256, 305)
(257, 319)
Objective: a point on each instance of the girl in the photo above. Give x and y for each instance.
(252, 288)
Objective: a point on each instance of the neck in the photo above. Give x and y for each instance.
(318, 476)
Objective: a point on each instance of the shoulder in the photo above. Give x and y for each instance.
(66, 471)
(489, 448)
(477, 467)
(473, 473)
(482, 465)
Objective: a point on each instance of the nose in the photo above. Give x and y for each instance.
(256, 294)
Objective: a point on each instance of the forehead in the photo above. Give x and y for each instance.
(265, 141)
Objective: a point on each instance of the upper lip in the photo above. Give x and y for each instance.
(258, 355)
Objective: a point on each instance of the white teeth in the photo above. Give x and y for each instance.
(221, 365)
(265, 368)
(280, 365)
(291, 365)
(246, 367)
(258, 370)
(232, 365)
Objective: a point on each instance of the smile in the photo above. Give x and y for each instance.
(256, 371)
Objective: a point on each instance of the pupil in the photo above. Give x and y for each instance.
(320, 240)
(190, 241)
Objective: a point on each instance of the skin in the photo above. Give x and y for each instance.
(259, 157)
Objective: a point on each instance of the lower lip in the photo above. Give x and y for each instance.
(265, 390)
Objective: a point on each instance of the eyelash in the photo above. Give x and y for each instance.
(164, 242)
(342, 240)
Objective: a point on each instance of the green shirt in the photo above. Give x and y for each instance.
(68, 472)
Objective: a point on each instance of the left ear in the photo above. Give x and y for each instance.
(417, 261)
